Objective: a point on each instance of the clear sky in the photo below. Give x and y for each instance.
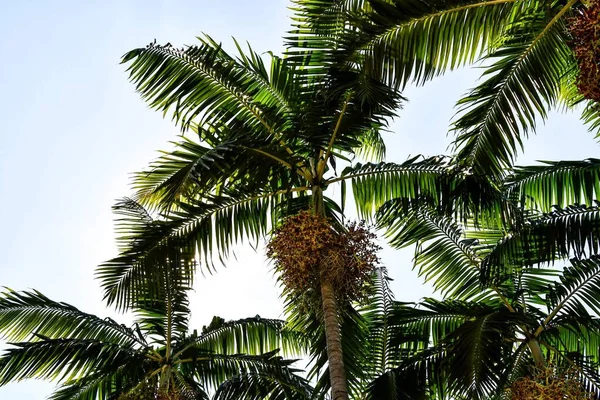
(72, 128)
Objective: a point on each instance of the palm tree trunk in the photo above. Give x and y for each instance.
(333, 337)
(536, 353)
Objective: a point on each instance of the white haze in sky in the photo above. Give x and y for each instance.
(72, 128)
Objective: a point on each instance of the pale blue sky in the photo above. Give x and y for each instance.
(72, 129)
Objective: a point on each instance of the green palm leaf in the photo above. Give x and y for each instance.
(273, 382)
(417, 40)
(59, 359)
(570, 232)
(556, 183)
(194, 227)
(98, 359)
(250, 336)
(522, 83)
(434, 320)
(382, 354)
(444, 256)
(481, 350)
(211, 369)
(375, 184)
(194, 171)
(591, 116)
(162, 309)
(202, 81)
(469, 349)
(23, 315)
(104, 384)
(578, 292)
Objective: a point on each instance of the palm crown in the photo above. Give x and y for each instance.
(527, 48)
(268, 142)
(508, 307)
(95, 358)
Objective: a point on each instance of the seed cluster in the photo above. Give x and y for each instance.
(550, 385)
(585, 32)
(148, 391)
(307, 249)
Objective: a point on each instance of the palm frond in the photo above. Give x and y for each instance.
(417, 40)
(420, 377)
(521, 84)
(23, 315)
(193, 170)
(372, 147)
(198, 228)
(443, 255)
(312, 40)
(531, 285)
(211, 370)
(162, 308)
(58, 359)
(272, 382)
(591, 117)
(565, 232)
(106, 384)
(382, 354)
(574, 338)
(556, 183)
(577, 293)
(375, 184)
(251, 336)
(179, 172)
(205, 82)
(434, 320)
(481, 349)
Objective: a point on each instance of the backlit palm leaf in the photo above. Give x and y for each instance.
(200, 81)
(417, 40)
(443, 255)
(23, 315)
(570, 232)
(100, 360)
(523, 81)
(556, 183)
(272, 382)
(196, 228)
(250, 335)
(58, 359)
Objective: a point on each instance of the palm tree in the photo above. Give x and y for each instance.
(528, 310)
(388, 344)
(95, 358)
(267, 143)
(538, 55)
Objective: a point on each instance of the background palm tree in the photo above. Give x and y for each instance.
(95, 358)
(509, 307)
(389, 342)
(525, 46)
